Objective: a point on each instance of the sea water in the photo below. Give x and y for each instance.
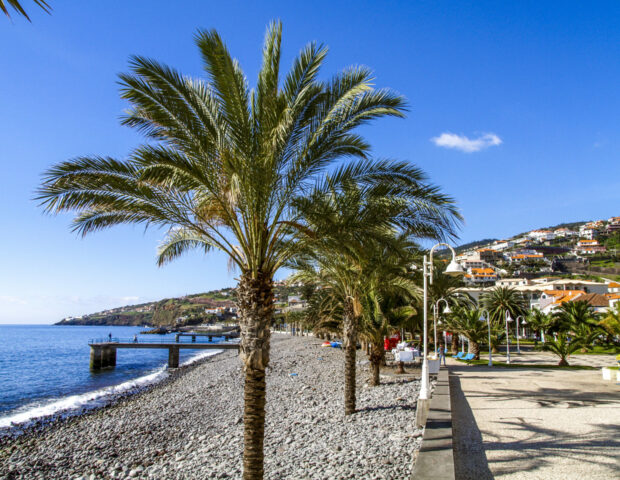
(44, 369)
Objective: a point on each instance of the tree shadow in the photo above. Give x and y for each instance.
(470, 461)
(527, 443)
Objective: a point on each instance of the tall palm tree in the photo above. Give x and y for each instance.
(343, 226)
(16, 5)
(222, 168)
(501, 300)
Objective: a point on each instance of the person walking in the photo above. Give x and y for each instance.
(442, 353)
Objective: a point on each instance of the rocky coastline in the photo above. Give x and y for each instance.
(190, 425)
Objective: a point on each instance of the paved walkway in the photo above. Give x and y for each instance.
(513, 423)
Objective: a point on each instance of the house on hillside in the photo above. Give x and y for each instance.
(588, 247)
(599, 303)
(541, 235)
(512, 282)
(613, 225)
(613, 287)
(479, 276)
(501, 245)
(565, 233)
(551, 300)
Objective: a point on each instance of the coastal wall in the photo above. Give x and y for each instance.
(435, 460)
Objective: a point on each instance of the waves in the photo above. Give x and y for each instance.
(76, 404)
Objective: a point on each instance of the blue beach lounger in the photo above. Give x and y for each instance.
(458, 355)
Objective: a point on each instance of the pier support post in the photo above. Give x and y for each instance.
(95, 358)
(112, 357)
(173, 357)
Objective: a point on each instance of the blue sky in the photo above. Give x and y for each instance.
(513, 111)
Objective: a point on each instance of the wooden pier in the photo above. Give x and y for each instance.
(210, 335)
(103, 352)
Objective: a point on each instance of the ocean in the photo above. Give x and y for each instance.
(44, 369)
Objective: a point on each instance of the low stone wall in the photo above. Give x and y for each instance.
(435, 460)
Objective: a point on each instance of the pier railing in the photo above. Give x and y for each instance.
(104, 340)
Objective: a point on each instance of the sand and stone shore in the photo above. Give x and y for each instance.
(191, 426)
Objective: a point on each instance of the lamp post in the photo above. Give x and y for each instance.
(453, 269)
(435, 310)
(522, 319)
(488, 320)
(508, 319)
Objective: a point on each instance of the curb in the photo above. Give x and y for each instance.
(435, 460)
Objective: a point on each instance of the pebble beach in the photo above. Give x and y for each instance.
(190, 426)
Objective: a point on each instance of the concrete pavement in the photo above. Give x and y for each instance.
(514, 423)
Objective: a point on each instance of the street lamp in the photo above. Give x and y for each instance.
(522, 319)
(488, 320)
(435, 310)
(453, 269)
(508, 319)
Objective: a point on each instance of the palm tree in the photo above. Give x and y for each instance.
(344, 229)
(572, 314)
(386, 303)
(501, 300)
(222, 168)
(611, 323)
(562, 348)
(20, 10)
(539, 322)
(467, 322)
(580, 318)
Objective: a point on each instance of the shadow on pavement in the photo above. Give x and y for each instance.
(470, 461)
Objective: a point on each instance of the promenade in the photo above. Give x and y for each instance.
(520, 423)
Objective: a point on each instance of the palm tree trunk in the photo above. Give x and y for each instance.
(255, 304)
(474, 348)
(350, 347)
(455, 344)
(376, 356)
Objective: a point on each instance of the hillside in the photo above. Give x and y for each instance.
(181, 311)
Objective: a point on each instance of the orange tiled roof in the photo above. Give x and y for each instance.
(483, 271)
(613, 285)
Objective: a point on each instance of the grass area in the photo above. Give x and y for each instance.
(526, 365)
(600, 350)
(596, 350)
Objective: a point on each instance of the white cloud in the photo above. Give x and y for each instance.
(465, 144)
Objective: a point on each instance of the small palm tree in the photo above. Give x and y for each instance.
(539, 322)
(572, 314)
(20, 10)
(222, 169)
(561, 347)
(467, 322)
(611, 323)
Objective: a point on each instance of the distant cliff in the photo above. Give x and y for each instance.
(181, 311)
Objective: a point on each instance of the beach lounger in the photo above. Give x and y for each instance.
(458, 355)
(468, 357)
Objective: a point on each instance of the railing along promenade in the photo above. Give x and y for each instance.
(103, 350)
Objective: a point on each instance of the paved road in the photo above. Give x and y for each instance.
(535, 424)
